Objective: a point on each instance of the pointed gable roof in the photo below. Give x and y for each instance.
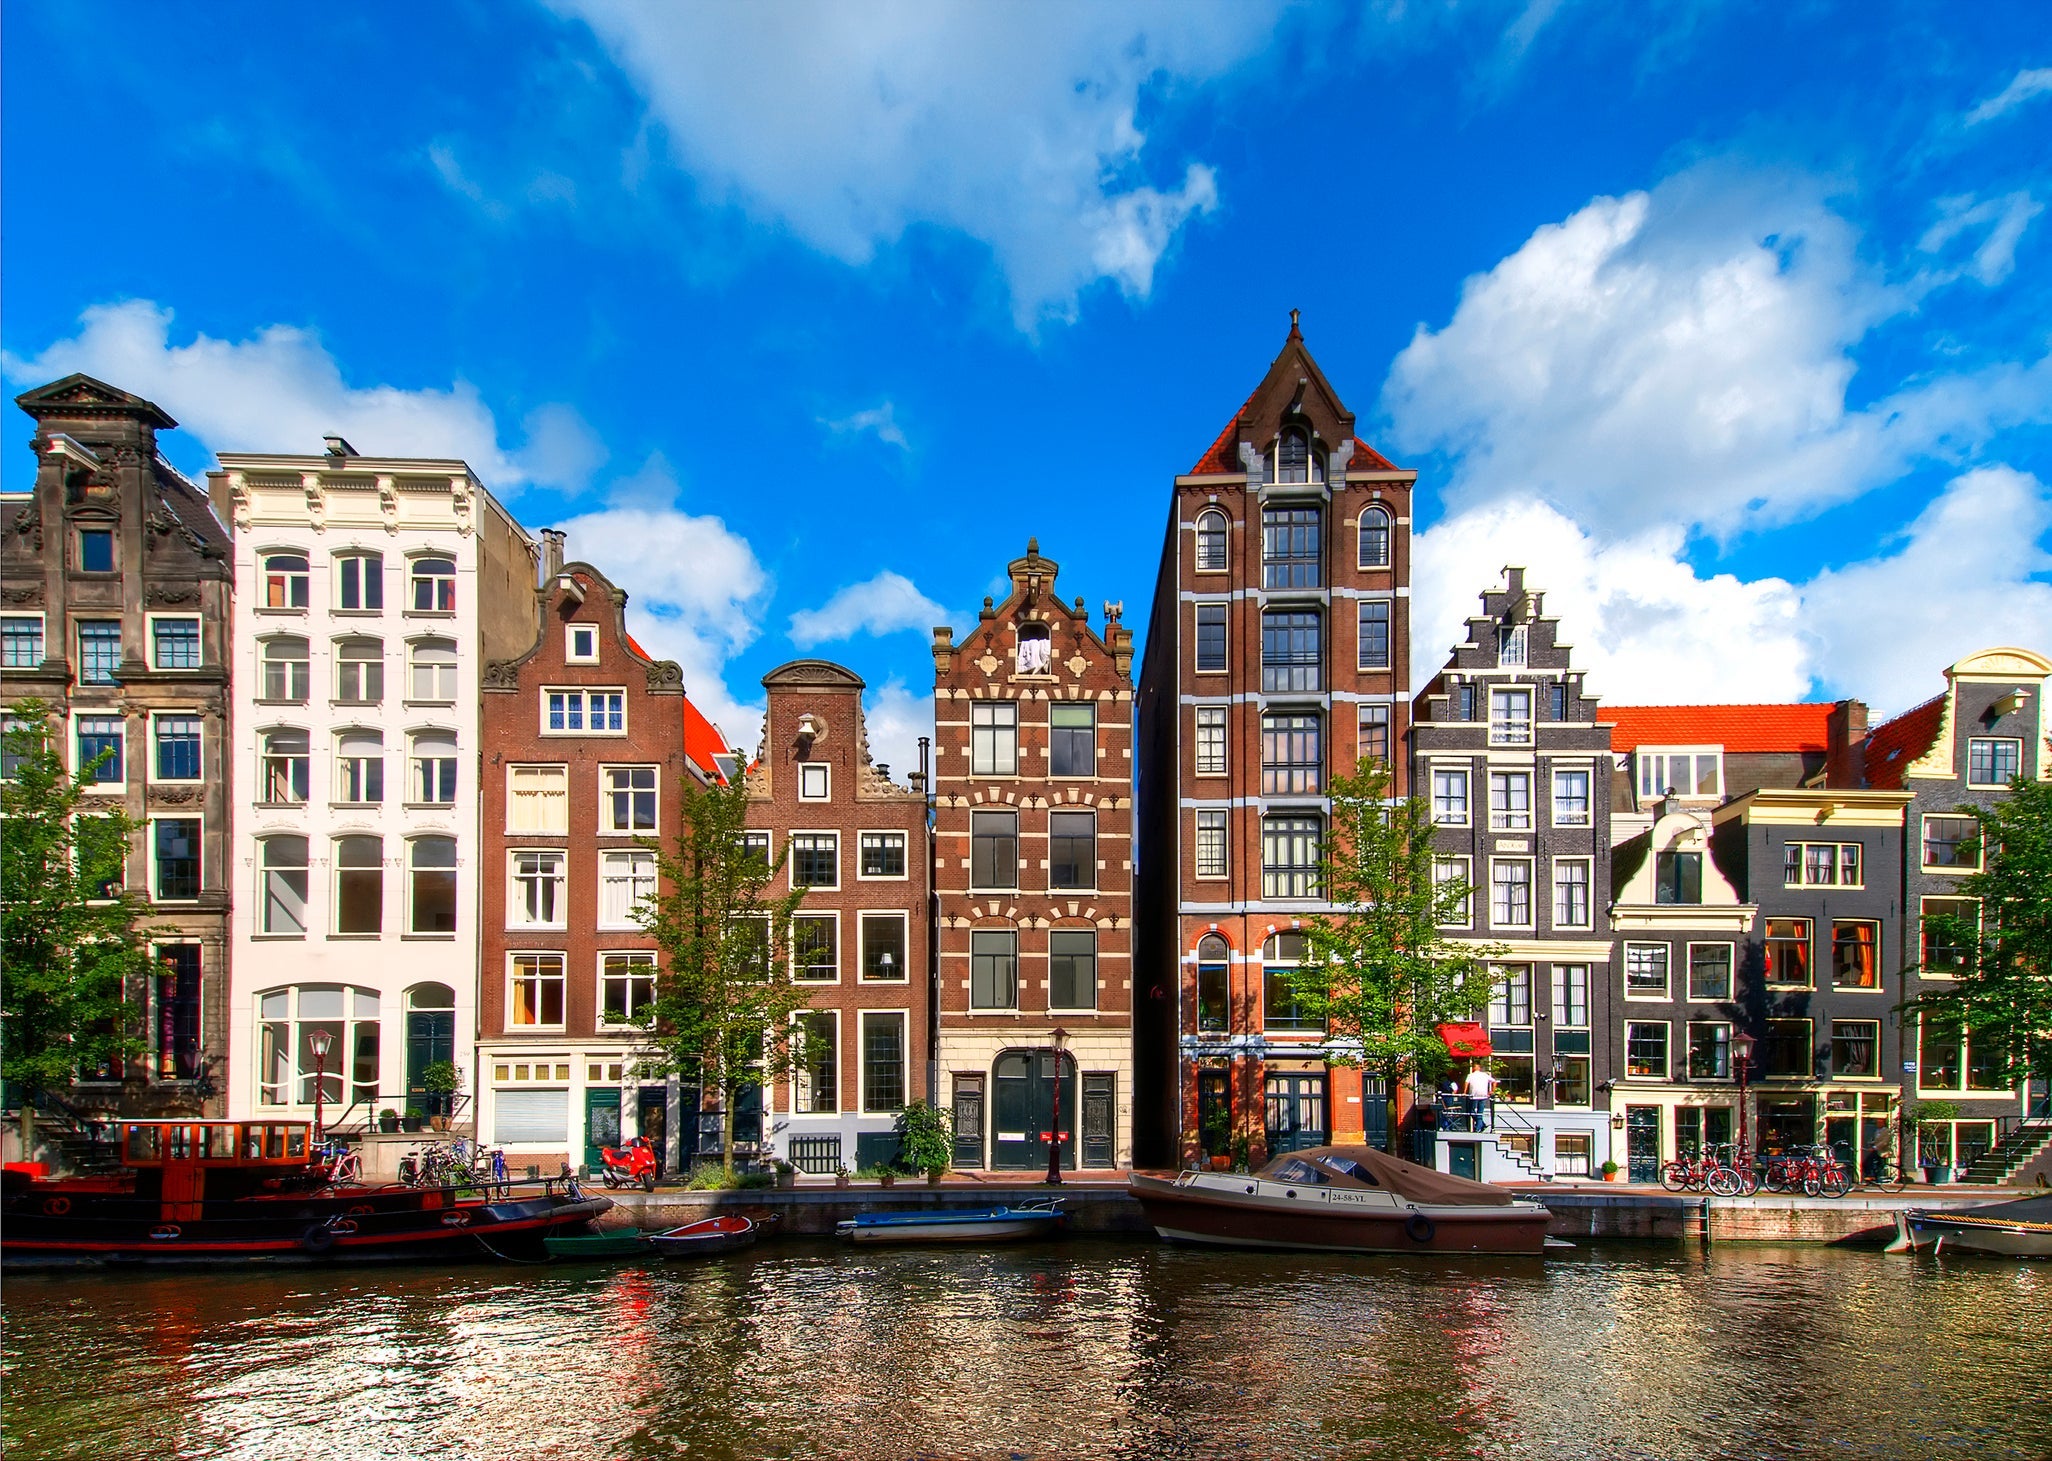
(1293, 379)
(79, 394)
(1894, 745)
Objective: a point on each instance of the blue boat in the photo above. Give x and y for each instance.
(955, 1225)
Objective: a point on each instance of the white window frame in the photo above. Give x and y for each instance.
(574, 632)
(1688, 976)
(335, 872)
(626, 857)
(815, 771)
(339, 787)
(1466, 817)
(987, 709)
(829, 915)
(359, 556)
(263, 869)
(1531, 912)
(1667, 1045)
(608, 823)
(1224, 723)
(193, 715)
(263, 605)
(75, 754)
(562, 963)
(199, 634)
(412, 873)
(1666, 992)
(1225, 525)
(1017, 980)
(1506, 729)
(414, 578)
(1447, 868)
(42, 624)
(1361, 616)
(904, 855)
(1973, 741)
(804, 1039)
(1212, 820)
(263, 670)
(1197, 634)
(1949, 869)
(1361, 558)
(1568, 819)
(862, 920)
(791, 858)
(340, 658)
(1096, 972)
(150, 848)
(1643, 757)
(641, 958)
(862, 1059)
(439, 740)
(517, 796)
(583, 694)
(516, 899)
(1588, 891)
(1508, 819)
(453, 666)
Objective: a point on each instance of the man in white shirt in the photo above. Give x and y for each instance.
(1481, 1087)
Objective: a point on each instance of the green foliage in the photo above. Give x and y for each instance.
(1381, 974)
(441, 1078)
(926, 1140)
(67, 949)
(2000, 994)
(724, 995)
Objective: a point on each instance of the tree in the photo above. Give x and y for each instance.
(71, 939)
(1381, 974)
(1995, 970)
(724, 995)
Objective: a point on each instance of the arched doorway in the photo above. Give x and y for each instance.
(430, 1036)
(1022, 1098)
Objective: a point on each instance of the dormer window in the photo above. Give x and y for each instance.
(1690, 771)
(95, 550)
(1036, 649)
(1293, 460)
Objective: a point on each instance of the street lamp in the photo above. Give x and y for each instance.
(1742, 1057)
(320, 1041)
(1054, 1124)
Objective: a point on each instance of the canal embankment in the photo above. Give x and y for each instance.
(1580, 1211)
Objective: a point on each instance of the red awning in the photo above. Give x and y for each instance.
(1466, 1041)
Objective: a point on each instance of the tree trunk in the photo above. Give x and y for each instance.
(727, 1129)
(28, 1129)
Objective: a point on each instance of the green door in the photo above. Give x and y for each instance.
(1464, 1159)
(430, 1037)
(601, 1123)
(1022, 1101)
(1642, 1143)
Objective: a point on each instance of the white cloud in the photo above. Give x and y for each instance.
(1683, 356)
(695, 587)
(2022, 87)
(878, 421)
(885, 604)
(896, 719)
(280, 390)
(2005, 220)
(1012, 124)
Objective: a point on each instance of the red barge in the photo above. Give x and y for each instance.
(257, 1192)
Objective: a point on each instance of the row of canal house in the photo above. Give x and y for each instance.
(392, 753)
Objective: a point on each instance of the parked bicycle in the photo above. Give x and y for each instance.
(1811, 1170)
(344, 1166)
(1878, 1168)
(1706, 1171)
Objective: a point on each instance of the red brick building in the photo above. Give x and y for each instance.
(1277, 655)
(588, 743)
(856, 842)
(1033, 877)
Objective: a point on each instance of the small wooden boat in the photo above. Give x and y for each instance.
(1342, 1200)
(586, 1247)
(2021, 1228)
(955, 1225)
(706, 1237)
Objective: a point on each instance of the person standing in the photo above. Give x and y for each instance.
(1481, 1087)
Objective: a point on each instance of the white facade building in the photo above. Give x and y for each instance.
(368, 594)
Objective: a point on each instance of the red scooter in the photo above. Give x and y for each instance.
(632, 1165)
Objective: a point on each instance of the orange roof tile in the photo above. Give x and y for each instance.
(702, 740)
(1893, 744)
(1734, 727)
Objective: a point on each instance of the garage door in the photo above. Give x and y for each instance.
(532, 1117)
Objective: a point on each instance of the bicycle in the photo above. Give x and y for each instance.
(344, 1165)
(1879, 1169)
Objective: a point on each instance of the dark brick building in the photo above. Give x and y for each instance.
(116, 583)
(1277, 655)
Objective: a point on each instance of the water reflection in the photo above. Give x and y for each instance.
(1069, 1350)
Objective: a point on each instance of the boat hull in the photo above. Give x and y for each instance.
(1254, 1216)
(1963, 1233)
(1010, 1228)
(706, 1238)
(579, 1247)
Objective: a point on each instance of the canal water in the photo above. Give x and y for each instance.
(1086, 1348)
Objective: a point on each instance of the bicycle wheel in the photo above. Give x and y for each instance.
(1675, 1176)
(1749, 1182)
(1811, 1185)
(1893, 1177)
(1724, 1182)
(1836, 1181)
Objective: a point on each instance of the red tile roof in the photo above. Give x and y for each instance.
(1734, 727)
(702, 740)
(1222, 455)
(1893, 744)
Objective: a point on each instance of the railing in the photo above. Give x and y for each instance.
(370, 1105)
(820, 1156)
(2017, 1140)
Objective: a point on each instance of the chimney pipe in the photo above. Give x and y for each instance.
(552, 552)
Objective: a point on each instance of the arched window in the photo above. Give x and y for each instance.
(432, 900)
(1036, 649)
(434, 586)
(287, 1021)
(360, 767)
(285, 768)
(282, 896)
(431, 997)
(1375, 538)
(1211, 541)
(285, 581)
(1214, 1006)
(359, 884)
(359, 583)
(360, 671)
(433, 671)
(1293, 458)
(434, 768)
(1281, 958)
(285, 670)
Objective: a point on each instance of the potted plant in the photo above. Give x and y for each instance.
(442, 1080)
(388, 1121)
(787, 1175)
(1218, 1140)
(886, 1176)
(925, 1141)
(840, 1176)
(1242, 1154)
(1934, 1114)
(414, 1118)
(1609, 1170)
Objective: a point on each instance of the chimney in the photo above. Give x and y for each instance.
(1845, 736)
(552, 553)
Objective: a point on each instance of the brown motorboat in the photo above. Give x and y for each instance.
(1342, 1199)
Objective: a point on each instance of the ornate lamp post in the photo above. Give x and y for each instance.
(1054, 1124)
(1742, 1057)
(320, 1041)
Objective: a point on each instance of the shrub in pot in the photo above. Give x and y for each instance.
(414, 1119)
(1609, 1171)
(388, 1120)
(925, 1142)
(787, 1176)
(442, 1080)
(840, 1176)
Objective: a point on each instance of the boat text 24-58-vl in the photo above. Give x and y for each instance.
(258, 1192)
(1342, 1199)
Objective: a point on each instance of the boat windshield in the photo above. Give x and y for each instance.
(1348, 1167)
(1298, 1172)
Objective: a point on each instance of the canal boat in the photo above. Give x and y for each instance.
(2021, 1228)
(955, 1225)
(1342, 1200)
(260, 1192)
(707, 1237)
(592, 1246)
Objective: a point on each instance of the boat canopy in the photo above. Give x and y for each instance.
(1365, 1167)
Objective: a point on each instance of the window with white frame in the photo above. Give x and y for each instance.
(1292, 651)
(815, 860)
(1646, 1049)
(1374, 645)
(282, 886)
(360, 671)
(1993, 761)
(1689, 771)
(289, 1019)
(538, 799)
(1571, 996)
(1292, 458)
(432, 894)
(627, 982)
(535, 897)
(993, 969)
(1071, 850)
(21, 641)
(1211, 637)
(815, 1074)
(883, 1060)
(1571, 797)
(993, 849)
(1709, 1050)
(360, 768)
(580, 644)
(1072, 969)
(534, 991)
(815, 948)
(284, 768)
(1211, 844)
(1571, 892)
(433, 583)
(286, 577)
(756, 845)
(359, 583)
(1290, 538)
(1510, 717)
(433, 672)
(1510, 801)
(1373, 744)
(99, 651)
(571, 712)
(815, 781)
(1451, 909)
(102, 749)
(1821, 865)
(359, 885)
(1072, 740)
(1947, 929)
(630, 799)
(626, 879)
(175, 859)
(1450, 797)
(1510, 893)
(1211, 541)
(994, 738)
(1292, 753)
(1211, 740)
(882, 855)
(178, 747)
(1952, 844)
(1710, 972)
(1289, 855)
(434, 768)
(1374, 538)
(287, 667)
(175, 642)
(883, 948)
(1646, 971)
(1511, 642)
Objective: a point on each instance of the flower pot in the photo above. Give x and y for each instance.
(413, 1123)
(1612, 1176)
(1221, 1164)
(786, 1181)
(440, 1123)
(388, 1124)
(841, 1179)
(889, 1179)
(933, 1178)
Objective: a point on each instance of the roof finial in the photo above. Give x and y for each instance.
(1293, 322)
(1033, 547)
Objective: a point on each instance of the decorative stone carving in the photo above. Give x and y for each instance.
(665, 674)
(501, 674)
(174, 796)
(28, 523)
(388, 503)
(22, 593)
(172, 593)
(316, 501)
(463, 503)
(238, 495)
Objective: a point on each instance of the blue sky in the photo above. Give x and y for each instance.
(1728, 321)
